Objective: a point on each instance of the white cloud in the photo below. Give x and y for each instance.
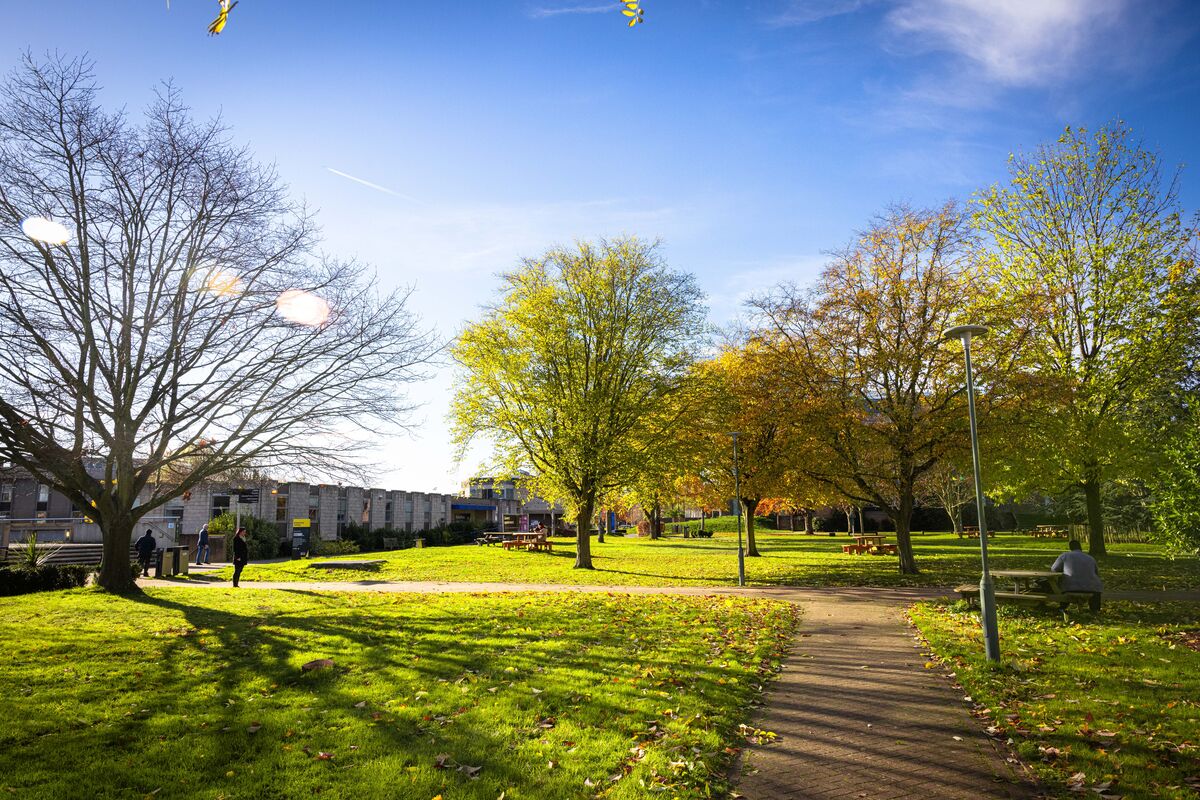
(1014, 42)
(802, 12)
(555, 11)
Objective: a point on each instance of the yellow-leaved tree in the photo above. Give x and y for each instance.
(574, 374)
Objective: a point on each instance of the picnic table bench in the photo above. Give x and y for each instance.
(490, 539)
(1049, 532)
(1034, 587)
(972, 532)
(872, 543)
(528, 541)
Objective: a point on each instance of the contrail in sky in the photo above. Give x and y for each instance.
(370, 185)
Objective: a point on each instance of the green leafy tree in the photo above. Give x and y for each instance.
(1176, 505)
(573, 374)
(1092, 256)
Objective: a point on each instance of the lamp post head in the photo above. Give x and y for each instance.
(964, 332)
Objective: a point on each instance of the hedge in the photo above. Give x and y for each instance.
(45, 578)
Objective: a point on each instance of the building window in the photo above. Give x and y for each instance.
(281, 507)
(6, 496)
(43, 500)
(220, 505)
(387, 513)
(366, 515)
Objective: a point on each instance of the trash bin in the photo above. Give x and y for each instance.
(418, 542)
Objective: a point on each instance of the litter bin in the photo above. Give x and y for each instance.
(170, 561)
(418, 542)
(299, 545)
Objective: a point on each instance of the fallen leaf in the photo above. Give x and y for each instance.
(254, 727)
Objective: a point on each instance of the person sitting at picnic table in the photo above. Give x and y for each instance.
(1080, 574)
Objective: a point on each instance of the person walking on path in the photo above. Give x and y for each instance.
(1080, 573)
(145, 550)
(241, 554)
(203, 552)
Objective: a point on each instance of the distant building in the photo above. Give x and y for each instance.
(27, 505)
(489, 499)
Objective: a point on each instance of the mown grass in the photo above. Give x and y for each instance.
(189, 693)
(792, 559)
(1109, 703)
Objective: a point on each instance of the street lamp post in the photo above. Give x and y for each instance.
(737, 500)
(987, 592)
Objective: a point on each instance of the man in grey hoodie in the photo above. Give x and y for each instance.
(1080, 574)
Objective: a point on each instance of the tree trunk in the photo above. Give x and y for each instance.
(115, 574)
(808, 526)
(749, 507)
(903, 520)
(656, 522)
(849, 522)
(792, 521)
(600, 524)
(583, 535)
(1095, 515)
(956, 517)
(862, 528)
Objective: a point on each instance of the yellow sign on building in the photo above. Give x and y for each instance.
(302, 522)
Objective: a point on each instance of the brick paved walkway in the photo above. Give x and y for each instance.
(860, 717)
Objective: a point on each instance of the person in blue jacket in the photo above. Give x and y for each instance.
(203, 552)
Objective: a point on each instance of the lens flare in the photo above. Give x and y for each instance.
(45, 230)
(303, 308)
(223, 283)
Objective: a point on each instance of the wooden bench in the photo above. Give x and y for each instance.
(1049, 532)
(391, 544)
(970, 593)
(873, 549)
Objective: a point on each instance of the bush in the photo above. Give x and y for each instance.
(262, 536)
(47, 577)
(334, 547)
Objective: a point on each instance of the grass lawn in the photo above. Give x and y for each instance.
(787, 559)
(189, 693)
(1110, 703)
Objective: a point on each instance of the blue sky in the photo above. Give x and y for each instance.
(750, 136)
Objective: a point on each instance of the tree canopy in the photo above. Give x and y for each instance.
(581, 369)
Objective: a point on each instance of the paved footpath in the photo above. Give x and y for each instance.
(858, 715)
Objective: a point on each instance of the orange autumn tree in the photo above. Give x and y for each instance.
(743, 396)
(884, 395)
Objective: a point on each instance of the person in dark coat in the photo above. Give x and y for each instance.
(241, 554)
(145, 550)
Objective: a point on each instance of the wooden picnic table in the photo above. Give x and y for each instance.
(872, 543)
(528, 541)
(1049, 532)
(1026, 586)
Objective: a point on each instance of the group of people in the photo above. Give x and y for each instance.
(147, 546)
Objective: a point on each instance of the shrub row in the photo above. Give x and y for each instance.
(44, 578)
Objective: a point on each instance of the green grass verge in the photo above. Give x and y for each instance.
(787, 559)
(1108, 703)
(199, 693)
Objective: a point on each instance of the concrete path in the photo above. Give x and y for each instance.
(858, 715)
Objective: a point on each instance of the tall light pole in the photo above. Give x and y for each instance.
(987, 592)
(737, 500)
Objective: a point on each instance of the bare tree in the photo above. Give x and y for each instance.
(181, 326)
